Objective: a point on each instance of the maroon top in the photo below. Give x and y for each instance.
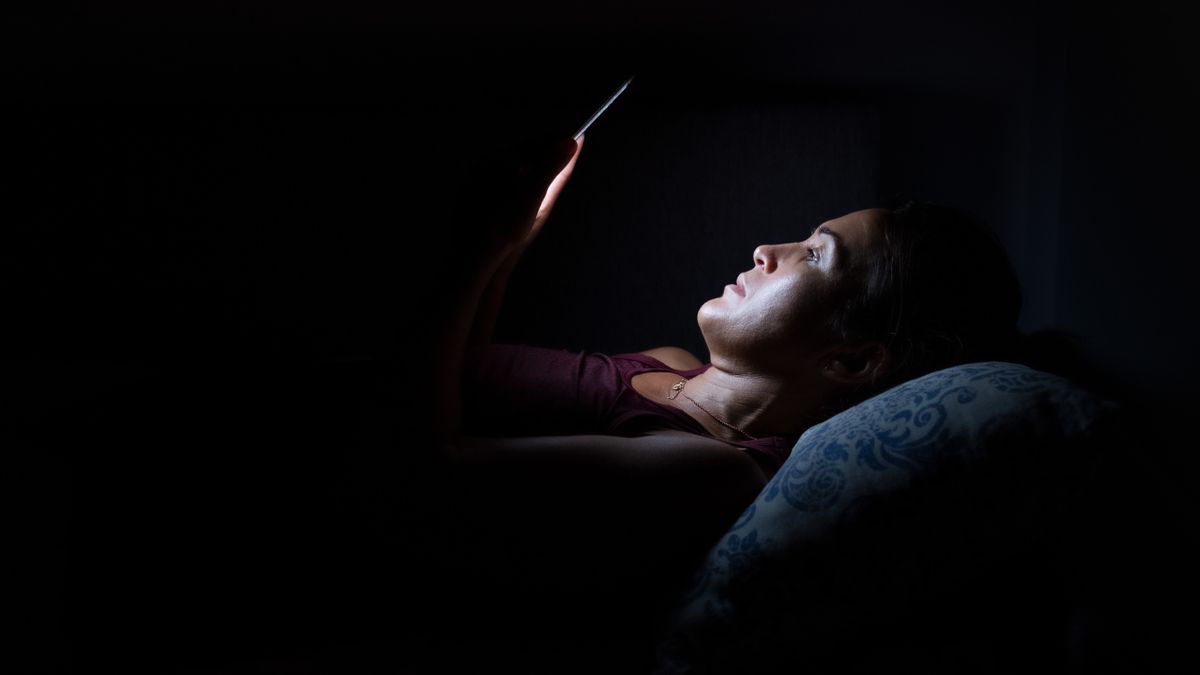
(520, 390)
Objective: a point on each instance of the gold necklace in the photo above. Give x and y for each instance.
(677, 389)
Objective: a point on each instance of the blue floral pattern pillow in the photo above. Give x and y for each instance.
(879, 506)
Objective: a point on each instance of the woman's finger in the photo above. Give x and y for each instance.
(559, 180)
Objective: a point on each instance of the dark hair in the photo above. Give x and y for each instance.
(940, 292)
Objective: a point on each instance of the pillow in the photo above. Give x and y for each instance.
(911, 528)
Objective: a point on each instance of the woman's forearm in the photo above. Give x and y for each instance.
(460, 322)
(491, 302)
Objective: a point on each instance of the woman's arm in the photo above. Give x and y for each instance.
(675, 357)
(501, 220)
(491, 301)
(493, 298)
(454, 327)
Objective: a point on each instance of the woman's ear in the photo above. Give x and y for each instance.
(857, 364)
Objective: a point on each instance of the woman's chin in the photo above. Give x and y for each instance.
(716, 309)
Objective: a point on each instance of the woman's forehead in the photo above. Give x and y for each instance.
(863, 222)
(858, 230)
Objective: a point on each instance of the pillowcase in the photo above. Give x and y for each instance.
(920, 517)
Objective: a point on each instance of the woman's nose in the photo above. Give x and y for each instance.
(765, 255)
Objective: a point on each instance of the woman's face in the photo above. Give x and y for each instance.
(779, 308)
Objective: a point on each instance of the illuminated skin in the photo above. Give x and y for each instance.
(772, 372)
(773, 363)
(773, 366)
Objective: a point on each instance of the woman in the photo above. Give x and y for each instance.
(663, 450)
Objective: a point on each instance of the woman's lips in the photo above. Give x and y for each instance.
(737, 288)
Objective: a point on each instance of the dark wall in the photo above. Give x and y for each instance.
(205, 190)
(1129, 144)
(674, 197)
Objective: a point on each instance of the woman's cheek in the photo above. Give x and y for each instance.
(791, 309)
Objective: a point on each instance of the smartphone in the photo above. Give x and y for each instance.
(604, 107)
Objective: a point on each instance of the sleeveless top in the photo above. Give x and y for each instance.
(522, 390)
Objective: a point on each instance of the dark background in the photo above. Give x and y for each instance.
(219, 217)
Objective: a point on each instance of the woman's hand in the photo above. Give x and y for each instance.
(507, 201)
(562, 175)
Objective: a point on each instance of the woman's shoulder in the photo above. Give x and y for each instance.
(674, 357)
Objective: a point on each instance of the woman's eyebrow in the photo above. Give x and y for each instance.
(839, 247)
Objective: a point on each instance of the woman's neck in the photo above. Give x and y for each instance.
(738, 406)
